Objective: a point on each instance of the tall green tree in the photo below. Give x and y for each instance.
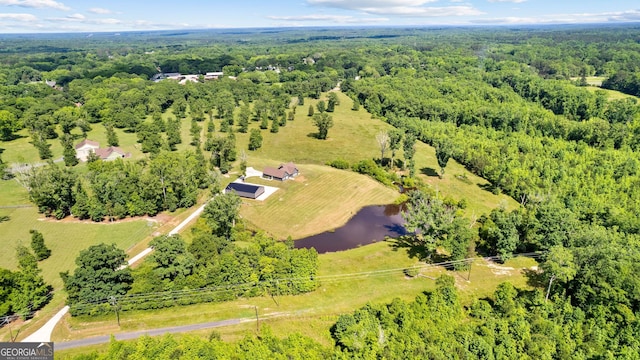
(395, 139)
(9, 124)
(255, 139)
(31, 292)
(430, 219)
(221, 214)
(409, 150)
(112, 137)
(324, 122)
(51, 189)
(173, 132)
(69, 150)
(171, 257)
(444, 151)
(333, 101)
(38, 246)
(101, 272)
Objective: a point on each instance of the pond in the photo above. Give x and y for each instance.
(369, 225)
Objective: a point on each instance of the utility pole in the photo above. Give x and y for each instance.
(469, 274)
(257, 319)
(114, 302)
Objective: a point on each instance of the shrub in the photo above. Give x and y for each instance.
(339, 164)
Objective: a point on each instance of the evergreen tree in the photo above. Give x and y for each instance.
(322, 106)
(255, 139)
(38, 246)
(264, 124)
(40, 143)
(69, 151)
(311, 111)
(112, 137)
(275, 127)
(31, 291)
(173, 133)
(195, 133)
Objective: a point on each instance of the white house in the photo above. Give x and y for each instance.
(85, 147)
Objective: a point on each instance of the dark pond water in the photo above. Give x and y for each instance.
(369, 225)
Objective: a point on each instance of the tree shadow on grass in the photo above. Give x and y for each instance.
(535, 278)
(429, 171)
(313, 135)
(414, 247)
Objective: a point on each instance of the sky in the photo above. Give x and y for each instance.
(46, 16)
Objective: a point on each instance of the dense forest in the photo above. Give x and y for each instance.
(512, 105)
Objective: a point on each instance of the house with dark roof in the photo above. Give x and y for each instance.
(245, 190)
(282, 173)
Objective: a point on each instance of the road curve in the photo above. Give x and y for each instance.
(136, 334)
(44, 333)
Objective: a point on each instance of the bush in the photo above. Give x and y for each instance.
(412, 271)
(339, 164)
(369, 167)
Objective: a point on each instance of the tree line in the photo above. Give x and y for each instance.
(210, 268)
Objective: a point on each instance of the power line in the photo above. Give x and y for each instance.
(177, 295)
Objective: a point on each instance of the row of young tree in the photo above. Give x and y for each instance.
(211, 268)
(24, 291)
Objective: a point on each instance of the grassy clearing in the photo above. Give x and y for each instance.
(352, 137)
(65, 238)
(611, 94)
(311, 314)
(320, 199)
(458, 183)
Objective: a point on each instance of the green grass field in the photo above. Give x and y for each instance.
(377, 270)
(352, 139)
(65, 238)
(320, 199)
(611, 94)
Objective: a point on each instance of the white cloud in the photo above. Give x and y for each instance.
(340, 19)
(37, 4)
(100, 11)
(419, 11)
(409, 8)
(359, 4)
(578, 18)
(19, 17)
(507, 1)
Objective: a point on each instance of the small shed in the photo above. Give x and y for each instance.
(245, 190)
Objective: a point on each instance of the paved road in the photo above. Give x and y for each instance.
(137, 334)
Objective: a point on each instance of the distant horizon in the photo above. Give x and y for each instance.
(94, 16)
(327, 27)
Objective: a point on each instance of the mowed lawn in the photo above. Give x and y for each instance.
(321, 198)
(65, 239)
(352, 138)
(20, 150)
